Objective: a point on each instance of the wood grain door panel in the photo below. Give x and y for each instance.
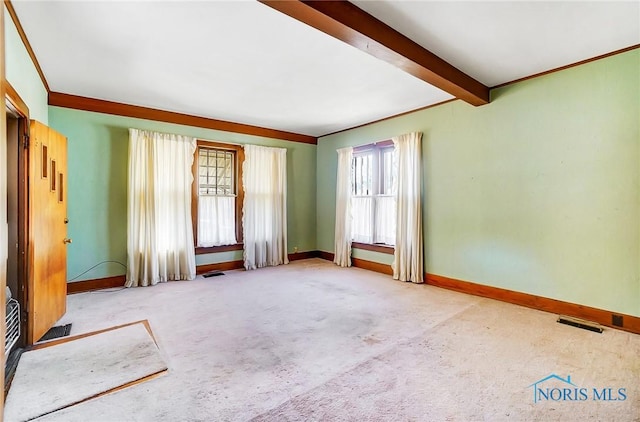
(47, 279)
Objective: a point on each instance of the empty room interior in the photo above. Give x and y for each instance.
(320, 210)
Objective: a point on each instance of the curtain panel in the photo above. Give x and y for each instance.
(264, 211)
(407, 259)
(361, 219)
(216, 220)
(373, 212)
(385, 209)
(343, 228)
(159, 227)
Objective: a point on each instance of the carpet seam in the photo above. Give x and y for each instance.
(103, 393)
(114, 389)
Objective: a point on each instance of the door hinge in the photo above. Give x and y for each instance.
(25, 141)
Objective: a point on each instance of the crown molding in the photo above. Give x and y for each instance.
(25, 41)
(558, 69)
(119, 109)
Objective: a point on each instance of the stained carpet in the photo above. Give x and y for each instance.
(310, 341)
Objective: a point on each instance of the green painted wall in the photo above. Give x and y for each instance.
(22, 74)
(97, 155)
(537, 192)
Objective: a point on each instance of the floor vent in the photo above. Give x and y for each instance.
(580, 323)
(212, 274)
(56, 332)
(12, 321)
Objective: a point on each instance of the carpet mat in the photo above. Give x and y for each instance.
(56, 332)
(54, 376)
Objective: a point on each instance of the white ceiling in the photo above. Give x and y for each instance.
(498, 42)
(244, 62)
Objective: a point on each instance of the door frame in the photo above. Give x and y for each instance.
(18, 108)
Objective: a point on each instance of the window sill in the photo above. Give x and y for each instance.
(378, 247)
(213, 249)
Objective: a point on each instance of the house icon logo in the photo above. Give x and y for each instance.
(557, 389)
(540, 393)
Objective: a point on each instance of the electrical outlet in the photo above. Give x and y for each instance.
(295, 249)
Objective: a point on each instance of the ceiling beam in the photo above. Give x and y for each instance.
(354, 26)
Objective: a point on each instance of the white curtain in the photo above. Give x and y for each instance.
(362, 219)
(216, 220)
(407, 259)
(370, 211)
(342, 253)
(159, 227)
(385, 220)
(264, 212)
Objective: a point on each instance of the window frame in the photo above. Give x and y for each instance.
(238, 153)
(378, 149)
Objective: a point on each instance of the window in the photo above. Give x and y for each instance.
(373, 203)
(217, 195)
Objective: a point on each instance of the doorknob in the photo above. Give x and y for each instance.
(67, 240)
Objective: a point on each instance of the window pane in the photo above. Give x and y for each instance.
(216, 221)
(373, 205)
(388, 171)
(216, 170)
(362, 176)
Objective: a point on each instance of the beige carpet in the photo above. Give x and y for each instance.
(313, 342)
(479, 366)
(56, 376)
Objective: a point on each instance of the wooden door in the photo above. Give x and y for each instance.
(47, 279)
